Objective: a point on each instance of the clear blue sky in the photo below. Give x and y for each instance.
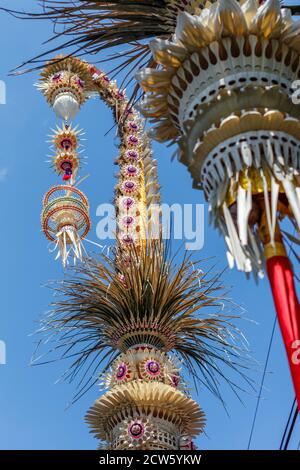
(32, 406)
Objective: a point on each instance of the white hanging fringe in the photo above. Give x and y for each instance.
(274, 202)
(267, 206)
(277, 163)
(244, 206)
(243, 262)
(293, 198)
(68, 243)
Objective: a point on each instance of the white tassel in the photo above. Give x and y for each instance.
(293, 199)
(230, 257)
(274, 202)
(267, 206)
(244, 206)
(222, 227)
(247, 153)
(243, 263)
(74, 242)
(256, 258)
(65, 249)
(241, 206)
(297, 188)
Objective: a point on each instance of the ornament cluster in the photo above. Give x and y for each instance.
(66, 84)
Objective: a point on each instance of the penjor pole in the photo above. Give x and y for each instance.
(281, 277)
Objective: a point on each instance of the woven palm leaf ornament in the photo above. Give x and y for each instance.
(134, 317)
(224, 94)
(137, 189)
(65, 215)
(67, 83)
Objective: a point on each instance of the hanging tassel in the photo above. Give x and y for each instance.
(243, 263)
(292, 196)
(297, 188)
(68, 242)
(257, 255)
(267, 206)
(244, 206)
(274, 202)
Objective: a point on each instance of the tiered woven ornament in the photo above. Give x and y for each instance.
(66, 84)
(145, 407)
(135, 308)
(66, 161)
(224, 93)
(148, 322)
(65, 220)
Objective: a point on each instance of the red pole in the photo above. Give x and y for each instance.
(281, 279)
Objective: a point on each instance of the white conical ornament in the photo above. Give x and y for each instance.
(66, 106)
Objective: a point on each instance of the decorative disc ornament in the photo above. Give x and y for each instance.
(66, 164)
(143, 363)
(65, 220)
(136, 432)
(66, 138)
(65, 141)
(121, 371)
(66, 84)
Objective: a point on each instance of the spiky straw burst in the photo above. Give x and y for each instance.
(93, 26)
(144, 297)
(90, 27)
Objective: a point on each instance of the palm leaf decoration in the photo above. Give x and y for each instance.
(142, 296)
(95, 25)
(90, 27)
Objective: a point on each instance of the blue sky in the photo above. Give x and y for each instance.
(33, 411)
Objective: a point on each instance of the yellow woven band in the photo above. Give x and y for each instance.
(277, 249)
